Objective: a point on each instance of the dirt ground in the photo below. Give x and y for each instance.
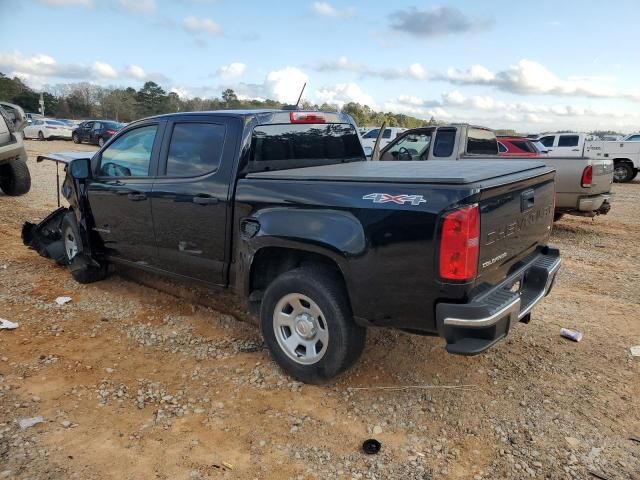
(135, 383)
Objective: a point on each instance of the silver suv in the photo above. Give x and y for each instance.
(14, 173)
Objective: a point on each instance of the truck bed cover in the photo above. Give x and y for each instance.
(433, 171)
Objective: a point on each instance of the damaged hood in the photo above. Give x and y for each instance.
(65, 157)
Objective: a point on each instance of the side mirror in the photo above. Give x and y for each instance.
(80, 168)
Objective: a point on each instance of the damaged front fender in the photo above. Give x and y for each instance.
(46, 236)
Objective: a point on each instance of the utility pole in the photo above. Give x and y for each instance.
(41, 105)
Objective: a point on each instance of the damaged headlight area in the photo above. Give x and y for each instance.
(46, 236)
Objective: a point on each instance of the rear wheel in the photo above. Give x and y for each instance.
(308, 325)
(73, 247)
(15, 178)
(40, 136)
(100, 142)
(623, 172)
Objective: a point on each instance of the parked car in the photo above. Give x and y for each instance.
(625, 154)
(517, 147)
(48, 129)
(369, 138)
(583, 184)
(14, 173)
(282, 208)
(96, 131)
(31, 117)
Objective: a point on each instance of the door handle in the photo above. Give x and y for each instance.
(136, 197)
(205, 200)
(575, 150)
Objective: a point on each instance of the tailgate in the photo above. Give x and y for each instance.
(514, 220)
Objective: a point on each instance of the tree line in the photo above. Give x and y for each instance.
(85, 100)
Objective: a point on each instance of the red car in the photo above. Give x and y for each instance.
(517, 147)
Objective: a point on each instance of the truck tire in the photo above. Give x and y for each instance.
(15, 178)
(622, 172)
(73, 247)
(308, 326)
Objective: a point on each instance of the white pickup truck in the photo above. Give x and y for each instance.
(582, 184)
(625, 153)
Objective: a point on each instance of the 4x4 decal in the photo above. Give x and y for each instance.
(399, 199)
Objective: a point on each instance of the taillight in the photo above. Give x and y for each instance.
(460, 244)
(306, 117)
(587, 177)
(110, 132)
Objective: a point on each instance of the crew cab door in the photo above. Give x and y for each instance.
(120, 193)
(192, 196)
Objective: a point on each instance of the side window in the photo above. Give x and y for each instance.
(372, 133)
(87, 126)
(387, 133)
(410, 147)
(97, 126)
(548, 141)
(195, 149)
(634, 138)
(568, 141)
(129, 155)
(481, 142)
(501, 148)
(445, 141)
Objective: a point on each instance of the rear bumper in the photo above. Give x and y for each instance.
(474, 327)
(595, 203)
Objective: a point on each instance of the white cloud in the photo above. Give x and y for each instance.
(138, 6)
(325, 9)
(233, 70)
(476, 74)
(283, 85)
(134, 71)
(528, 77)
(103, 70)
(344, 93)
(201, 25)
(414, 71)
(68, 3)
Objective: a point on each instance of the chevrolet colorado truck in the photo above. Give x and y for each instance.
(14, 173)
(583, 184)
(282, 208)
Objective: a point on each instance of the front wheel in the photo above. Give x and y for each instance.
(623, 172)
(40, 136)
(75, 138)
(73, 247)
(308, 326)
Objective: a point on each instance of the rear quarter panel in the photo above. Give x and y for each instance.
(386, 251)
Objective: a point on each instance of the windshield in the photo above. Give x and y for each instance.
(283, 146)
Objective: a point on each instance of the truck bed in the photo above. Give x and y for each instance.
(434, 171)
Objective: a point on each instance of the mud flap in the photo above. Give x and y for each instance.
(46, 236)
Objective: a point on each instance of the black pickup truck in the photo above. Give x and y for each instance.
(282, 208)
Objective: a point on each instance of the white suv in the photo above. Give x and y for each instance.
(14, 173)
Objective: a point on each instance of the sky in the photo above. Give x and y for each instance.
(530, 66)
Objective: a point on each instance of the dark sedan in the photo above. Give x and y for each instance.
(96, 131)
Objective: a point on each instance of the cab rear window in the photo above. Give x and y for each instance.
(282, 146)
(481, 142)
